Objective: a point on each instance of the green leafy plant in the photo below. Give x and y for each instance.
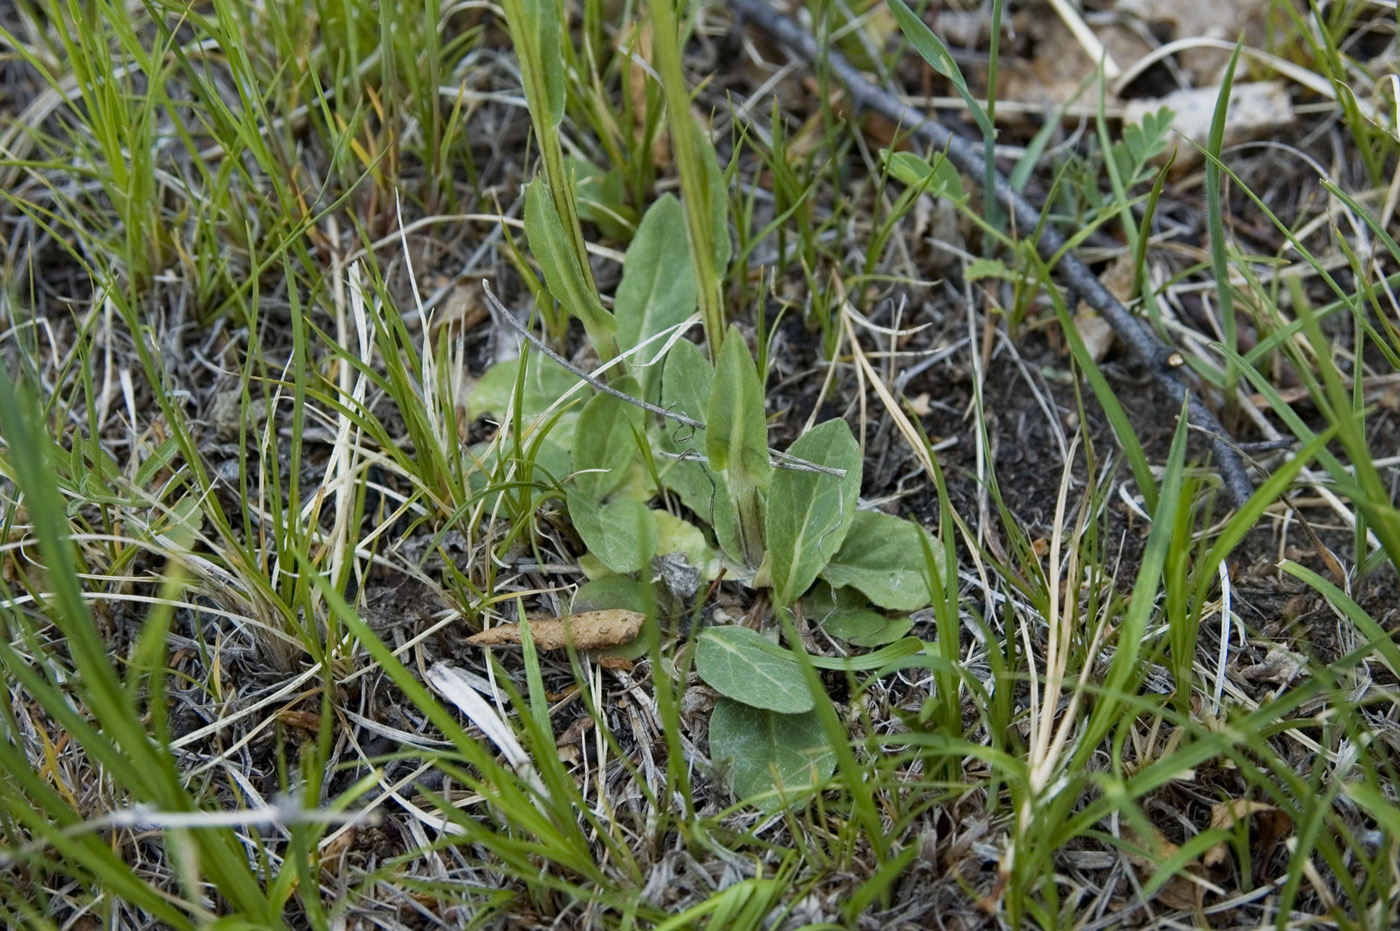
(781, 521)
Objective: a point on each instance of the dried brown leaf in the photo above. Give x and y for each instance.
(1226, 814)
(589, 630)
(1178, 892)
(308, 721)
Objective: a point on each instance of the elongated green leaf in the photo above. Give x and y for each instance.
(1378, 636)
(736, 435)
(769, 751)
(554, 250)
(543, 20)
(1215, 222)
(809, 513)
(882, 558)
(657, 290)
(1107, 712)
(744, 665)
(717, 193)
(736, 440)
(1122, 423)
(933, 51)
(605, 438)
(621, 533)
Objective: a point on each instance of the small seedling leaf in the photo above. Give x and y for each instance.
(883, 559)
(621, 534)
(809, 513)
(602, 199)
(940, 179)
(590, 630)
(978, 269)
(743, 665)
(768, 751)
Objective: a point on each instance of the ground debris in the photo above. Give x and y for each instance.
(590, 630)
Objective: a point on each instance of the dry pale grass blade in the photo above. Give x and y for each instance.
(342, 467)
(458, 689)
(453, 685)
(588, 630)
(1223, 657)
(1044, 755)
(427, 359)
(867, 372)
(1086, 38)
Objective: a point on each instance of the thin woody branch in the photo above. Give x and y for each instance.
(1148, 349)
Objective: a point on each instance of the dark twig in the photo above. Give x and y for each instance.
(1150, 351)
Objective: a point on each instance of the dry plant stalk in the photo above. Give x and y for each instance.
(589, 630)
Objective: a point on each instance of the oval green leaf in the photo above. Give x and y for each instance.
(809, 513)
(882, 558)
(657, 290)
(770, 752)
(620, 534)
(605, 439)
(744, 665)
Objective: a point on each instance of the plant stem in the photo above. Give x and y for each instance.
(694, 181)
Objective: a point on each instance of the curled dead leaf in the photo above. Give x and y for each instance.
(588, 630)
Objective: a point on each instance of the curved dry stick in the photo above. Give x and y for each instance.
(1155, 356)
